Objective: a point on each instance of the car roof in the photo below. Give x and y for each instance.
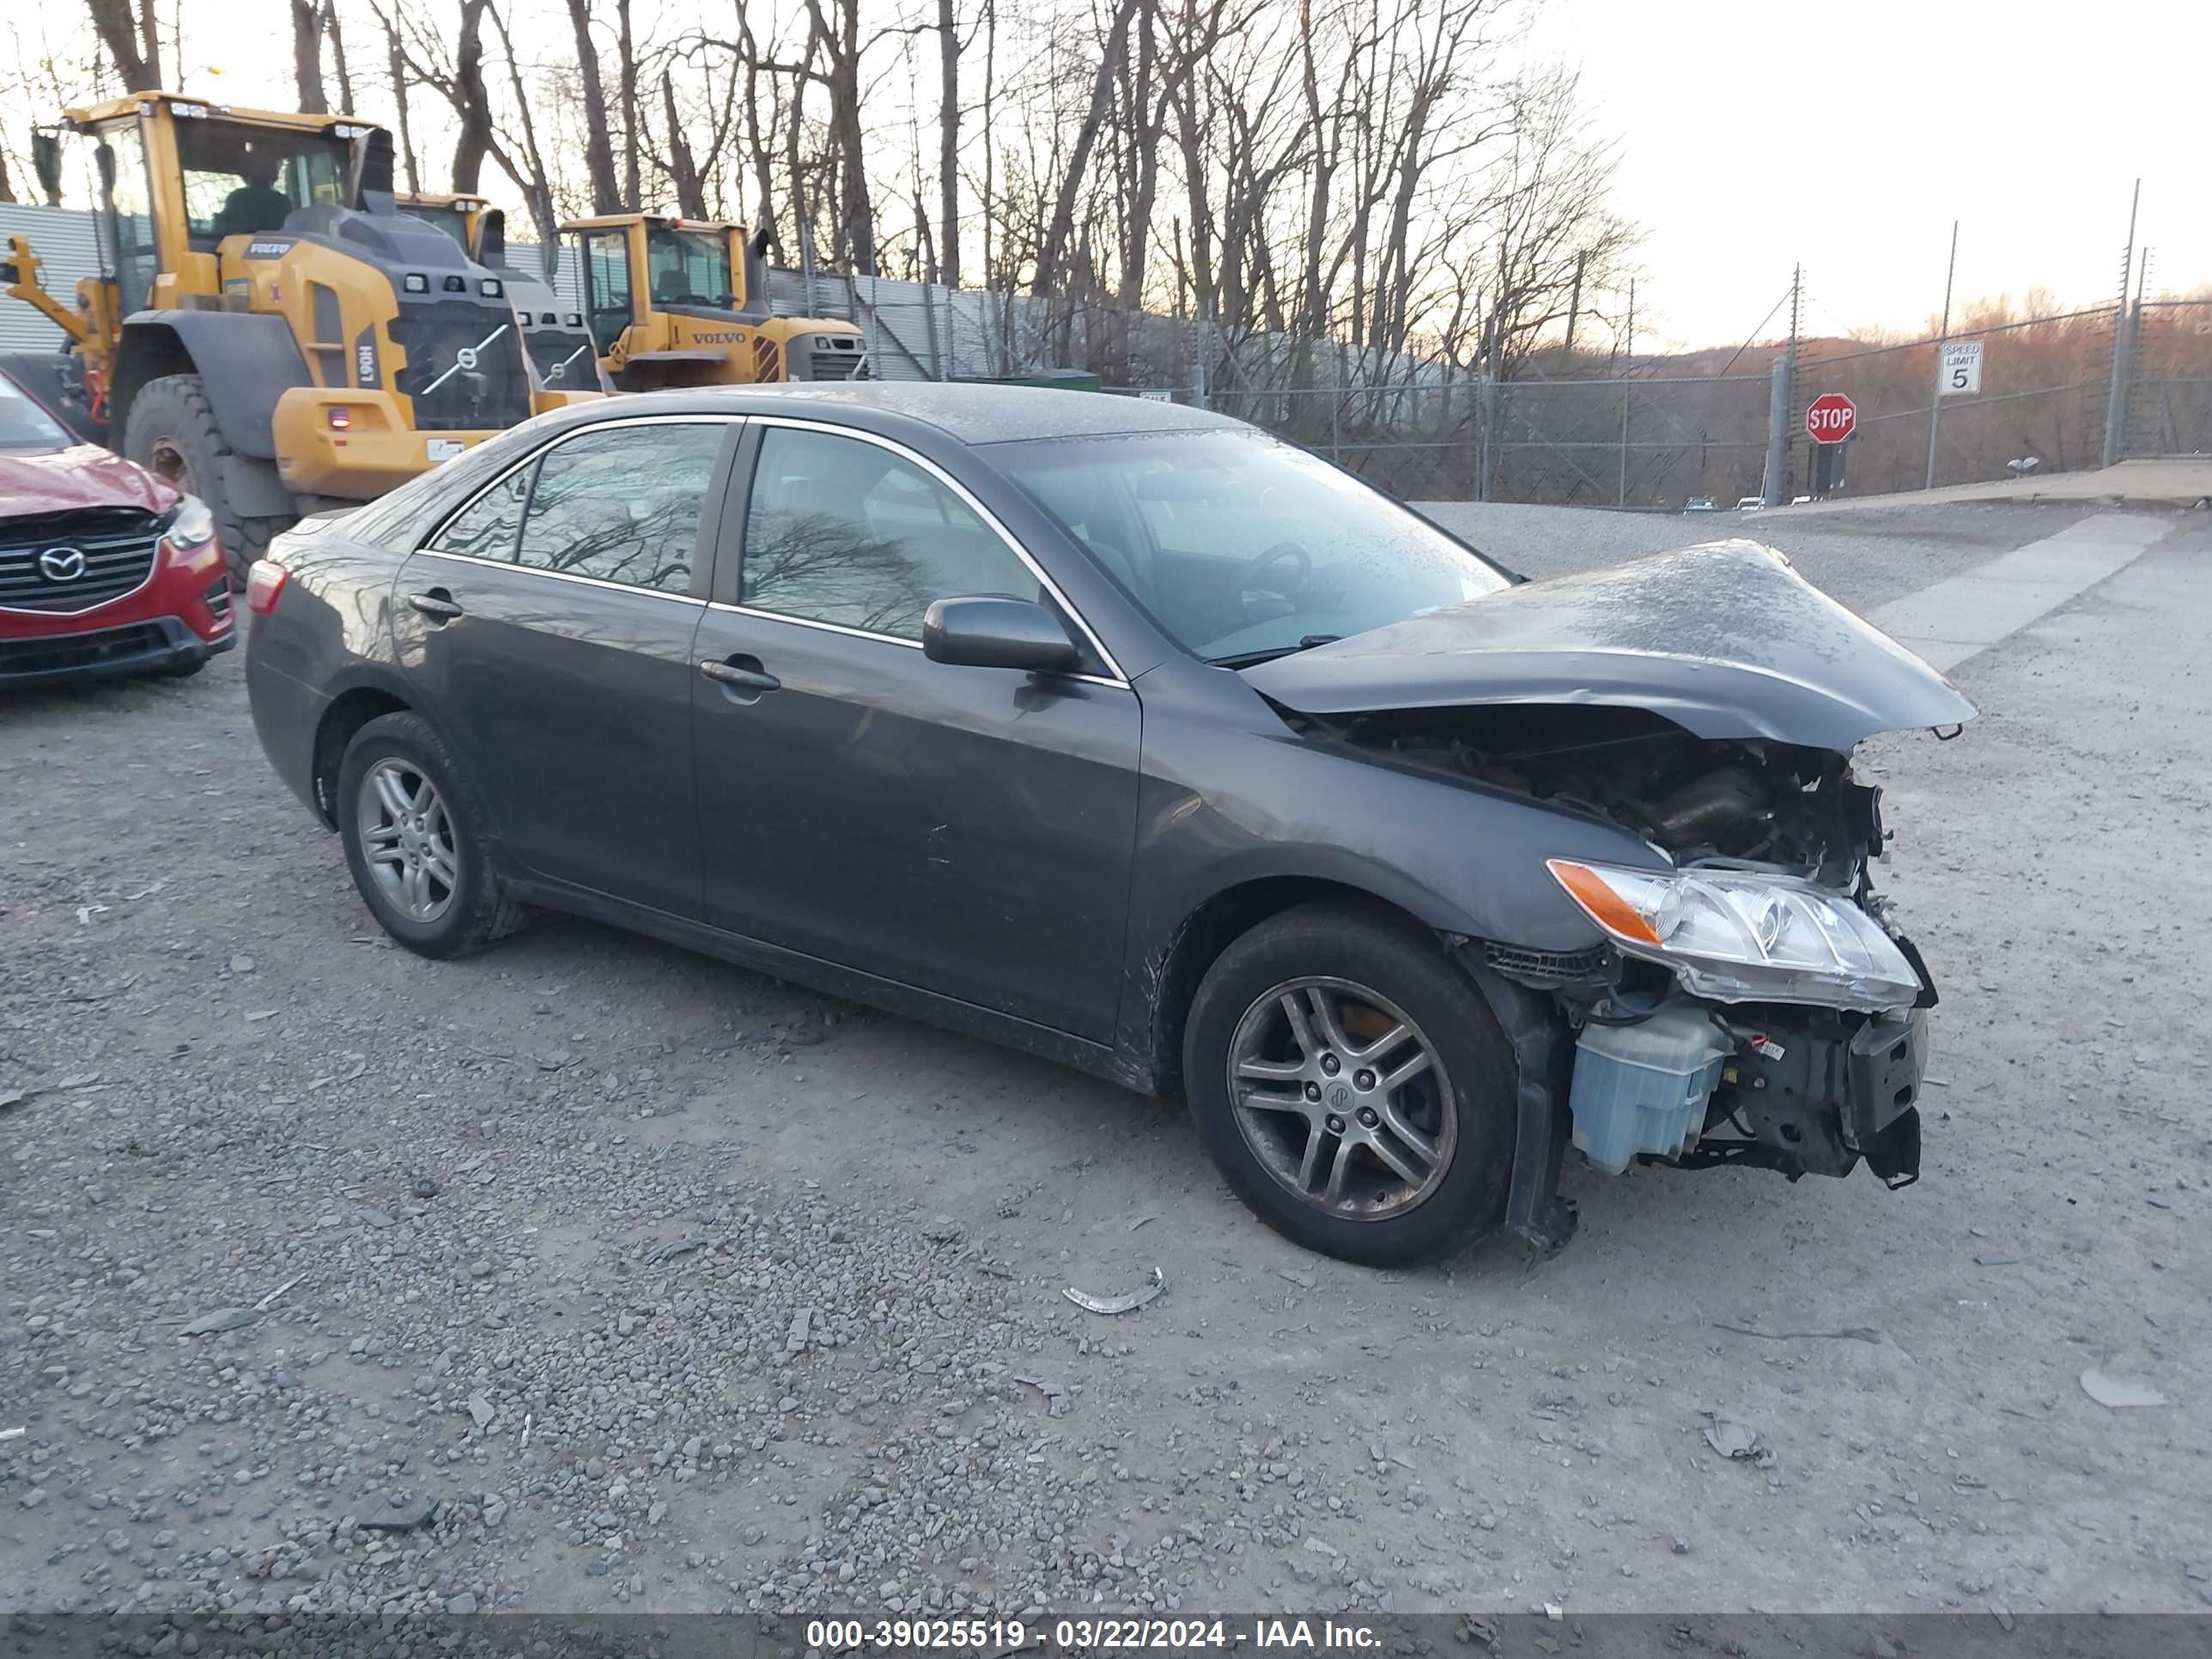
(973, 413)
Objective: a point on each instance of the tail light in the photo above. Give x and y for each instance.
(263, 584)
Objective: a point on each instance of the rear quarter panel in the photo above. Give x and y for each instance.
(330, 633)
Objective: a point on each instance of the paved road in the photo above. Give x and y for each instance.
(1873, 555)
(601, 1275)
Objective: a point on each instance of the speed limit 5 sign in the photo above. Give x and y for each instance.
(1960, 374)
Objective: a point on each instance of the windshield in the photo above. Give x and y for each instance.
(1241, 546)
(688, 267)
(448, 218)
(246, 180)
(24, 425)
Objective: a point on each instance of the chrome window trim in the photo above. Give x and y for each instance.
(864, 633)
(967, 498)
(557, 575)
(531, 459)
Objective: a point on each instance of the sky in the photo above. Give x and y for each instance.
(1757, 134)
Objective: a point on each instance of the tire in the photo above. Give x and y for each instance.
(1375, 972)
(464, 909)
(172, 431)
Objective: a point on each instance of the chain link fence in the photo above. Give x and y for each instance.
(2169, 379)
(2047, 394)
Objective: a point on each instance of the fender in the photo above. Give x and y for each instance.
(247, 362)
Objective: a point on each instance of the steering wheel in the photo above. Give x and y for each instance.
(1272, 557)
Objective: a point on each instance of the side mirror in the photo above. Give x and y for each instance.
(981, 632)
(46, 164)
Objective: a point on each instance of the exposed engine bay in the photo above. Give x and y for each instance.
(1696, 799)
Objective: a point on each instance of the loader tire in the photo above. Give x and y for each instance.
(172, 431)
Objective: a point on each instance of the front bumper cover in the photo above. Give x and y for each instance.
(105, 653)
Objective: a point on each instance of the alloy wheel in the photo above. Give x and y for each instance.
(407, 840)
(1341, 1098)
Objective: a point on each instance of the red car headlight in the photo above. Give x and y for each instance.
(192, 525)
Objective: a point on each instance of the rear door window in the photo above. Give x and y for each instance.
(486, 528)
(622, 503)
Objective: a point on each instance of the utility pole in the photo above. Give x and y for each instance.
(1781, 393)
(1575, 307)
(2116, 403)
(1627, 393)
(1942, 339)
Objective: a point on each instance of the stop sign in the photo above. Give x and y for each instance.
(1832, 417)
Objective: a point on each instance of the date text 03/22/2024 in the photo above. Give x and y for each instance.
(1001, 1636)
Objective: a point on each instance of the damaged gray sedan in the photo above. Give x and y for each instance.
(1129, 735)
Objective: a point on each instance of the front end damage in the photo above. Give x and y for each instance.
(1731, 990)
(1788, 1034)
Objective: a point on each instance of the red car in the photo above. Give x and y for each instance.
(104, 570)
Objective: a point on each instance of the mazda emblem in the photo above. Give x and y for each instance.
(61, 564)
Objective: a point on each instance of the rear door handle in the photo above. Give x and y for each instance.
(744, 678)
(434, 604)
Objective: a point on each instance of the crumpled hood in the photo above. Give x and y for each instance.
(62, 480)
(1723, 639)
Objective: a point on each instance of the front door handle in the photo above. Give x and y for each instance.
(740, 675)
(437, 605)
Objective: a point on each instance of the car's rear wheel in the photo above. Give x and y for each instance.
(415, 843)
(1353, 1086)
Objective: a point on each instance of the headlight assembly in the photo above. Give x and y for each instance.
(190, 525)
(1746, 935)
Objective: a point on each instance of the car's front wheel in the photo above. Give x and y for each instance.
(1353, 1086)
(415, 843)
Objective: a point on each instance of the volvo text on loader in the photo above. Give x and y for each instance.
(684, 302)
(560, 354)
(270, 333)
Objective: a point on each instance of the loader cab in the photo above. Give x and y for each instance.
(175, 179)
(684, 302)
(459, 217)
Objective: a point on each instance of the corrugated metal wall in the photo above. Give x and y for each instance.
(63, 240)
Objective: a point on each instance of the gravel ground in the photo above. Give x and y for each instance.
(592, 1274)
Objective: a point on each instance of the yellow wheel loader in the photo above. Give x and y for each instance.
(560, 354)
(268, 331)
(681, 302)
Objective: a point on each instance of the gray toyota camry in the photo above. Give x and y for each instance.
(1127, 734)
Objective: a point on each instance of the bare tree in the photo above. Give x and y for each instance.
(682, 165)
(336, 33)
(598, 148)
(1052, 251)
(400, 75)
(308, 55)
(471, 98)
(948, 144)
(130, 32)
